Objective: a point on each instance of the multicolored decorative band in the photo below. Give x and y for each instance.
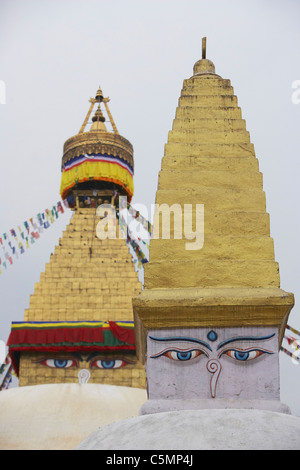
(99, 157)
(99, 167)
(69, 336)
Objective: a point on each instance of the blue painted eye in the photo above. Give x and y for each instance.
(59, 363)
(178, 355)
(108, 364)
(241, 356)
(184, 356)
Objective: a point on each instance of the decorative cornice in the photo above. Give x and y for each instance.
(216, 307)
(98, 142)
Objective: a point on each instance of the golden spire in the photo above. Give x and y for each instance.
(204, 66)
(99, 95)
(209, 160)
(203, 48)
(97, 122)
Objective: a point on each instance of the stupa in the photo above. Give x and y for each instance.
(211, 318)
(79, 324)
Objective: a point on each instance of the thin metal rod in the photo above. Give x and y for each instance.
(203, 48)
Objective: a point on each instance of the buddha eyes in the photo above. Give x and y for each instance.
(180, 354)
(241, 355)
(59, 363)
(109, 364)
(183, 355)
(245, 355)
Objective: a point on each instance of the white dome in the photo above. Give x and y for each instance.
(230, 429)
(60, 416)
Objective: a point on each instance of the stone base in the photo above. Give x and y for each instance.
(199, 430)
(158, 406)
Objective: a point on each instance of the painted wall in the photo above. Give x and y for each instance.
(201, 363)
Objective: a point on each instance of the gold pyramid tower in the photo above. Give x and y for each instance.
(79, 325)
(227, 276)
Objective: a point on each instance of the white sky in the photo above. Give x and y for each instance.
(55, 53)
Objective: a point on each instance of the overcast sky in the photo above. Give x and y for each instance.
(55, 53)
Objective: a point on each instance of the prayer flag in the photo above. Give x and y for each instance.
(35, 235)
(60, 207)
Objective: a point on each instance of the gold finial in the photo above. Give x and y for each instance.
(98, 120)
(204, 67)
(99, 95)
(98, 116)
(204, 48)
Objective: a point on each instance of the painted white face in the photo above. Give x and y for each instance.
(201, 363)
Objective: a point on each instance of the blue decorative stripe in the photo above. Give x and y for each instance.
(96, 157)
(182, 338)
(244, 338)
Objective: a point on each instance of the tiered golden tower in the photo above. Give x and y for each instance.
(212, 299)
(79, 325)
(209, 160)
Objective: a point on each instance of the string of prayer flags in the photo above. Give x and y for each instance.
(14, 242)
(289, 353)
(6, 372)
(135, 214)
(60, 207)
(293, 343)
(132, 241)
(142, 220)
(293, 330)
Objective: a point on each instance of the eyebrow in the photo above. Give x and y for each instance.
(93, 354)
(77, 355)
(182, 338)
(244, 338)
(80, 358)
